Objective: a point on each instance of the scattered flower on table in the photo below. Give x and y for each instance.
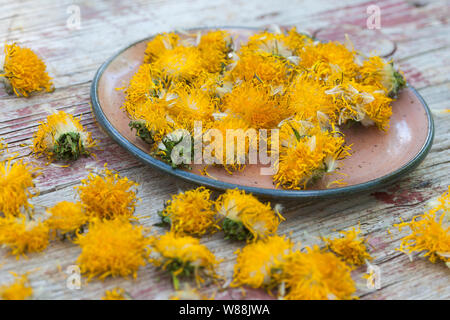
(20, 289)
(116, 294)
(24, 72)
(245, 217)
(66, 219)
(61, 136)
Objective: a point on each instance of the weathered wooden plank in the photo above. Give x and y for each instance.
(73, 56)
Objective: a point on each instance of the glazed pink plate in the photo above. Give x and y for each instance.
(378, 158)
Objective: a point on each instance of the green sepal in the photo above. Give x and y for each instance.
(235, 230)
(165, 220)
(141, 131)
(69, 146)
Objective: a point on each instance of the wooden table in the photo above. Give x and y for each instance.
(419, 28)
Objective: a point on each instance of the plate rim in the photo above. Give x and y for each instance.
(264, 192)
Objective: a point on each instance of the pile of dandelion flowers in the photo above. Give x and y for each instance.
(183, 256)
(62, 136)
(159, 45)
(191, 212)
(20, 289)
(22, 235)
(430, 232)
(214, 47)
(316, 275)
(66, 218)
(24, 71)
(107, 195)
(245, 217)
(112, 248)
(16, 186)
(258, 263)
(351, 247)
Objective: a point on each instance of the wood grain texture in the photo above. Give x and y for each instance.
(420, 29)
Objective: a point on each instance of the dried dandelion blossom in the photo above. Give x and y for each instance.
(67, 218)
(63, 137)
(258, 264)
(257, 104)
(190, 212)
(430, 232)
(116, 294)
(307, 153)
(107, 195)
(183, 256)
(377, 72)
(20, 289)
(22, 235)
(214, 47)
(245, 217)
(316, 275)
(112, 248)
(351, 247)
(24, 72)
(180, 63)
(159, 45)
(361, 103)
(16, 186)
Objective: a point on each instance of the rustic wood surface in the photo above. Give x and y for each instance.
(419, 28)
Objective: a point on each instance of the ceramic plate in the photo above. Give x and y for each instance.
(378, 158)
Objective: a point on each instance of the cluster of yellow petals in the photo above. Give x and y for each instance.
(24, 71)
(258, 264)
(316, 275)
(257, 217)
(181, 255)
(351, 247)
(430, 232)
(112, 248)
(22, 235)
(16, 186)
(107, 195)
(66, 217)
(20, 289)
(47, 136)
(191, 212)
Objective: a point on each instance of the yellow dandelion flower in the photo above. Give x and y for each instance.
(222, 151)
(66, 218)
(307, 153)
(24, 71)
(307, 100)
(190, 105)
(116, 294)
(261, 67)
(159, 45)
(22, 235)
(112, 248)
(20, 289)
(351, 247)
(361, 103)
(316, 275)
(190, 212)
(183, 256)
(214, 47)
(430, 232)
(259, 263)
(16, 186)
(329, 62)
(377, 72)
(107, 195)
(180, 63)
(245, 217)
(62, 136)
(285, 45)
(256, 104)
